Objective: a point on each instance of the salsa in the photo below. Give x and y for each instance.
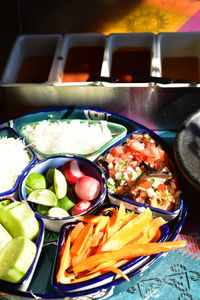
(140, 170)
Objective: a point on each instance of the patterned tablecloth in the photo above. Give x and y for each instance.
(154, 16)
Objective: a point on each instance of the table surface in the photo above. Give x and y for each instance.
(178, 274)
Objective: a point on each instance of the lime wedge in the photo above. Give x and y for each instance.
(28, 190)
(60, 184)
(42, 196)
(66, 203)
(42, 209)
(58, 212)
(51, 188)
(36, 181)
(50, 176)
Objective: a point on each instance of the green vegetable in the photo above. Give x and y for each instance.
(19, 220)
(16, 258)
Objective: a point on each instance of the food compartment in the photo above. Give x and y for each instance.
(129, 58)
(32, 60)
(87, 280)
(140, 172)
(178, 58)
(80, 59)
(22, 250)
(72, 136)
(76, 180)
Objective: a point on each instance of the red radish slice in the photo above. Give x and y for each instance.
(87, 188)
(71, 171)
(81, 207)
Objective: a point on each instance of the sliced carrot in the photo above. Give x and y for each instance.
(105, 236)
(156, 237)
(121, 262)
(99, 244)
(151, 232)
(92, 219)
(130, 251)
(154, 231)
(81, 239)
(112, 266)
(121, 219)
(105, 265)
(128, 232)
(84, 253)
(113, 218)
(67, 279)
(85, 277)
(76, 231)
(117, 271)
(64, 261)
(121, 213)
(101, 225)
(96, 239)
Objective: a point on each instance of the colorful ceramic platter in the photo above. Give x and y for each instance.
(41, 284)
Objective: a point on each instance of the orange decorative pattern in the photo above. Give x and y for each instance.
(158, 16)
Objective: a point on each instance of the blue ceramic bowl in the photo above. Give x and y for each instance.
(10, 132)
(87, 166)
(101, 280)
(131, 204)
(23, 284)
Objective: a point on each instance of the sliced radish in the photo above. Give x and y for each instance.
(71, 171)
(87, 188)
(81, 207)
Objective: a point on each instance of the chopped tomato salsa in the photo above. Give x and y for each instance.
(140, 170)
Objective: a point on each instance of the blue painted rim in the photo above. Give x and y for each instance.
(114, 283)
(172, 235)
(68, 287)
(87, 161)
(132, 202)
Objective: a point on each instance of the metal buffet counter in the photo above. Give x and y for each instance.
(152, 103)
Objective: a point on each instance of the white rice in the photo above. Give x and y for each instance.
(73, 137)
(13, 159)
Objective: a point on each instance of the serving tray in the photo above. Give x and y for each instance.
(40, 286)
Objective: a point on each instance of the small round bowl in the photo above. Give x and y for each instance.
(12, 133)
(88, 167)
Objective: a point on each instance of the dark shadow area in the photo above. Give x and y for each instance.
(187, 150)
(194, 145)
(9, 29)
(72, 16)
